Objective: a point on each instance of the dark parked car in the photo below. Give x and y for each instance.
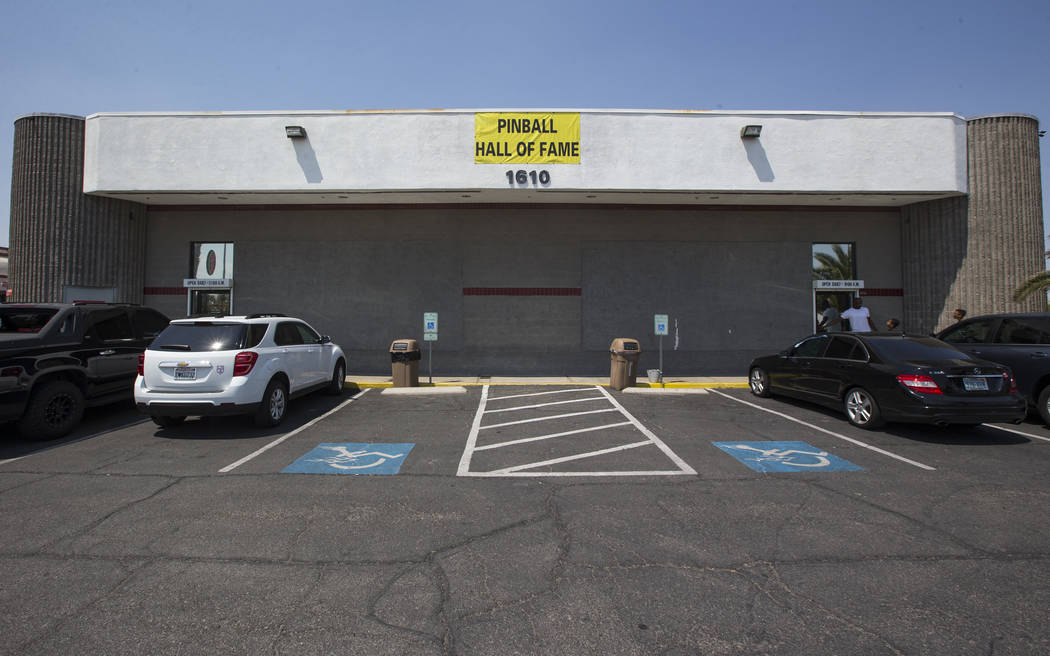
(1019, 341)
(879, 377)
(56, 359)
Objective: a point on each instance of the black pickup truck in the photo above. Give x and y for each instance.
(56, 359)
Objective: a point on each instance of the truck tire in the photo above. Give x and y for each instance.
(54, 409)
(1043, 405)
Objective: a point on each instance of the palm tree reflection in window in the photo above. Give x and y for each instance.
(833, 262)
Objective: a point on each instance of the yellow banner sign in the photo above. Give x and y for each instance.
(526, 138)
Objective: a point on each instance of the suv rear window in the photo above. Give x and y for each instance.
(205, 336)
(916, 348)
(24, 320)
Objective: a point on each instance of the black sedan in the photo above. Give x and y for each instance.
(880, 377)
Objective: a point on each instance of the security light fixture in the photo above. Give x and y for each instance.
(750, 131)
(295, 131)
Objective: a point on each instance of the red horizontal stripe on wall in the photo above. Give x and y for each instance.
(521, 291)
(881, 291)
(163, 291)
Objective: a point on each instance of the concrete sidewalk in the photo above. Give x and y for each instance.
(670, 382)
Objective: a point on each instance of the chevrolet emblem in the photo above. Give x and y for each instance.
(182, 364)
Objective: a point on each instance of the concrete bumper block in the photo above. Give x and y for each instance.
(662, 390)
(424, 391)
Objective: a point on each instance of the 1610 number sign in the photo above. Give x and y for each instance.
(522, 177)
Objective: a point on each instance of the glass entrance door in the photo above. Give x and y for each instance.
(210, 301)
(830, 304)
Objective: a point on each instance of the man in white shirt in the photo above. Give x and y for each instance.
(859, 317)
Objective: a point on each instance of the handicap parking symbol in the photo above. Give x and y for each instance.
(785, 457)
(382, 459)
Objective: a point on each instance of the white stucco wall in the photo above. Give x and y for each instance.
(805, 152)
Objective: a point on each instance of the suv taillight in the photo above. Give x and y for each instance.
(921, 384)
(142, 364)
(243, 363)
(11, 372)
(1013, 383)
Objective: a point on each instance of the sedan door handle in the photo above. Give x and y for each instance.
(107, 352)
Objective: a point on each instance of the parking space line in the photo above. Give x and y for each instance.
(563, 391)
(1008, 430)
(472, 438)
(284, 437)
(544, 405)
(79, 439)
(552, 435)
(827, 432)
(548, 418)
(578, 456)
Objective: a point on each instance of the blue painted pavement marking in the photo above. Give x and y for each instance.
(785, 457)
(351, 459)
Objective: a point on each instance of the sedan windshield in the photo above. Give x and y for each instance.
(917, 348)
(200, 337)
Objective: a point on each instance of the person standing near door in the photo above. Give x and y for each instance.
(859, 317)
(829, 314)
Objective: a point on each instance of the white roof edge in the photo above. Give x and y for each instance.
(681, 112)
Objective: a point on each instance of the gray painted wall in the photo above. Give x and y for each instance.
(739, 282)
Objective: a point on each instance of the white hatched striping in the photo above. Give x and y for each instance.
(552, 435)
(580, 456)
(521, 469)
(519, 396)
(548, 418)
(544, 405)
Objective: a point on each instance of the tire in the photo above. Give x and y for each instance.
(274, 404)
(1043, 405)
(759, 382)
(861, 409)
(54, 409)
(167, 421)
(335, 387)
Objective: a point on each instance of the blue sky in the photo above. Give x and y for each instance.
(971, 58)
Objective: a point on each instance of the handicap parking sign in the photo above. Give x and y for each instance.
(785, 457)
(351, 459)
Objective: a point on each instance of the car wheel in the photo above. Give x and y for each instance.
(274, 403)
(862, 409)
(335, 388)
(759, 382)
(53, 410)
(167, 421)
(1043, 405)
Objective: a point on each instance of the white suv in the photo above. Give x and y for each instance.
(235, 365)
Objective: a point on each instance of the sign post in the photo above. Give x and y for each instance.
(430, 335)
(660, 329)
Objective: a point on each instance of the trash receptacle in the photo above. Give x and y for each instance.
(404, 362)
(624, 354)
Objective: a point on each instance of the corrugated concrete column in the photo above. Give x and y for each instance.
(59, 235)
(972, 252)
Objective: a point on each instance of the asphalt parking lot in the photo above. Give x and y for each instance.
(527, 520)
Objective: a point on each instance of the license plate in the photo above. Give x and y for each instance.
(191, 374)
(975, 384)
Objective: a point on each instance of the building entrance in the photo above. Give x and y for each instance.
(209, 301)
(833, 303)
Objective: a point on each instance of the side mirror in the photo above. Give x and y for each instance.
(325, 339)
(784, 353)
